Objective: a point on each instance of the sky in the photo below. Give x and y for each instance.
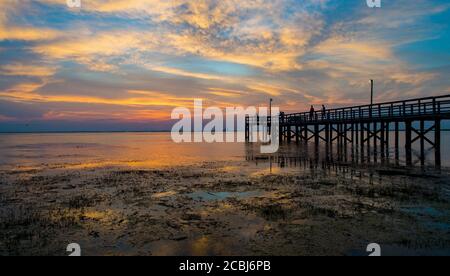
(126, 64)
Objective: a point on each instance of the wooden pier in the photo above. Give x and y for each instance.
(365, 130)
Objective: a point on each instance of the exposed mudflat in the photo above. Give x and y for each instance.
(224, 208)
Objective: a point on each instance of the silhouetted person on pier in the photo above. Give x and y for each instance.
(311, 113)
(324, 112)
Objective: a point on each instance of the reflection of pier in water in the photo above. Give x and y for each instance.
(307, 158)
(319, 170)
(368, 133)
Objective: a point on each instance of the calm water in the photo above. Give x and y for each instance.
(109, 149)
(81, 150)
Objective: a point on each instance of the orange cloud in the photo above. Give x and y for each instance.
(19, 69)
(352, 50)
(94, 50)
(27, 33)
(179, 72)
(8, 8)
(412, 78)
(23, 92)
(272, 90)
(25, 87)
(107, 44)
(128, 115)
(264, 55)
(225, 92)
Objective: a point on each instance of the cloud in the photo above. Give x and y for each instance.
(27, 33)
(23, 95)
(268, 89)
(9, 31)
(225, 92)
(25, 87)
(11, 111)
(184, 73)
(400, 13)
(122, 115)
(412, 78)
(93, 50)
(20, 69)
(354, 49)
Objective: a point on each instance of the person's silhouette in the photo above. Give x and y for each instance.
(311, 112)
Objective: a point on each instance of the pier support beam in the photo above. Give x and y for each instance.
(327, 141)
(368, 142)
(437, 143)
(388, 139)
(383, 140)
(331, 140)
(316, 135)
(289, 133)
(247, 129)
(280, 134)
(408, 142)
(375, 142)
(397, 142)
(305, 135)
(345, 138)
(362, 142)
(422, 143)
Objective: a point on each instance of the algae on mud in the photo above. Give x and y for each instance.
(209, 210)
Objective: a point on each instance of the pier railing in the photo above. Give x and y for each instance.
(413, 108)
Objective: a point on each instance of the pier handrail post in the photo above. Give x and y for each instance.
(247, 128)
(257, 127)
(434, 106)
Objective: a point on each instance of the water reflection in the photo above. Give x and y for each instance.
(94, 150)
(310, 156)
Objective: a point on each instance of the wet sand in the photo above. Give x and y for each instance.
(234, 207)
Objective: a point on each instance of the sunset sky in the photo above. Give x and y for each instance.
(125, 64)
